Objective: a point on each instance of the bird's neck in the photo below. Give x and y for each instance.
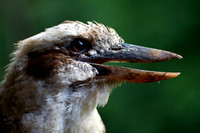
(92, 124)
(57, 115)
(40, 107)
(54, 121)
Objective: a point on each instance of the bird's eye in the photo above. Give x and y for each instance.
(79, 45)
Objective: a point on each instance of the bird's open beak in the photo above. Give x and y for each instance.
(134, 54)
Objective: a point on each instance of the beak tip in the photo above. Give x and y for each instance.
(175, 56)
(178, 56)
(172, 74)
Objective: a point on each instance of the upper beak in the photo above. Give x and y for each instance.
(134, 54)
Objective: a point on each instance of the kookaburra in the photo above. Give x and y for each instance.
(56, 79)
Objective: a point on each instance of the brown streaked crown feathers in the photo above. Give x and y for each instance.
(56, 78)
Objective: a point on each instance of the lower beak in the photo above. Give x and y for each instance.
(134, 54)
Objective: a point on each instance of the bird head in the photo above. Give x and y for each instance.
(64, 65)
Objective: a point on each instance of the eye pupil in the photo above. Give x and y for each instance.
(79, 45)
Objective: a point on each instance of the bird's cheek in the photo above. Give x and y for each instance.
(77, 72)
(57, 68)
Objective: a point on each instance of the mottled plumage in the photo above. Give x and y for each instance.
(55, 79)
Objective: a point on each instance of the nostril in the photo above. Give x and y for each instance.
(115, 48)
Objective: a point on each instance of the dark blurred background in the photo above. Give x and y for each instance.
(171, 106)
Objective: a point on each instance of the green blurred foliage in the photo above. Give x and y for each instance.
(170, 106)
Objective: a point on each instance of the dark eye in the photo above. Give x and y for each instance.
(79, 45)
